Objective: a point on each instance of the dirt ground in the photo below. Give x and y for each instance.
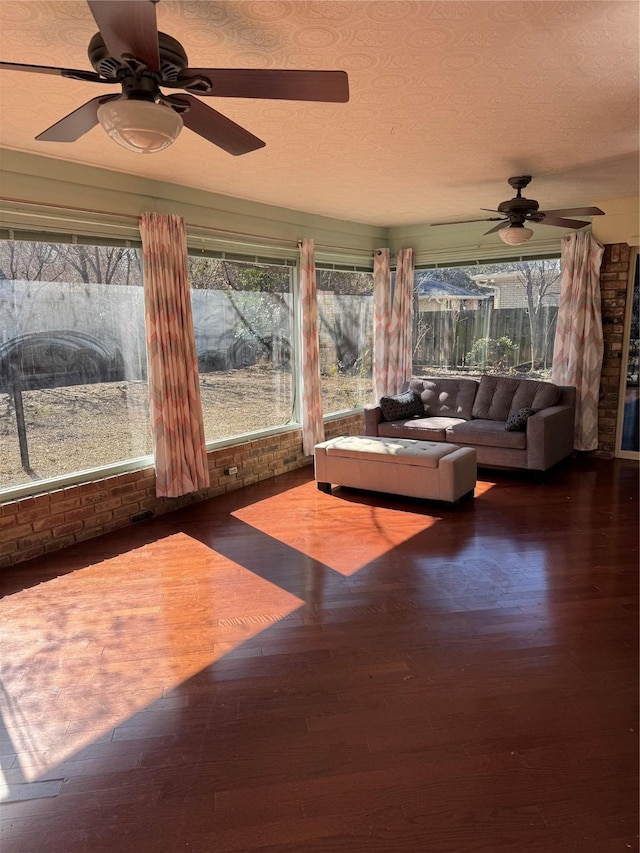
(86, 426)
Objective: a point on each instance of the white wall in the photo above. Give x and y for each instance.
(119, 200)
(621, 223)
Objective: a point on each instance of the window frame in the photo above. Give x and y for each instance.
(538, 253)
(71, 229)
(291, 263)
(345, 267)
(634, 267)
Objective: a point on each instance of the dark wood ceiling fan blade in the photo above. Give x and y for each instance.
(77, 123)
(73, 73)
(327, 86)
(129, 28)
(560, 222)
(217, 128)
(575, 211)
(499, 227)
(464, 221)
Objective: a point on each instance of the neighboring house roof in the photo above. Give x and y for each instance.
(435, 289)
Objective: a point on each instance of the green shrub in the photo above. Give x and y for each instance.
(492, 353)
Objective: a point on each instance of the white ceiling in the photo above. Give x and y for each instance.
(448, 99)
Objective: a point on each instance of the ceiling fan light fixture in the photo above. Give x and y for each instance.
(144, 127)
(515, 234)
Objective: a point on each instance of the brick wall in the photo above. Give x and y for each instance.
(37, 525)
(614, 278)
(513, 295)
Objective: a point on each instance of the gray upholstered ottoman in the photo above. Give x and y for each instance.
(401, 466)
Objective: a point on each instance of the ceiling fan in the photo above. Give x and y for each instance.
(518, 210)
(128, 50)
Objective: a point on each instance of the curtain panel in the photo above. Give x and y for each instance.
(579, 347)
(381, 321)
(401, 324)
(312, 422)
(174, 388)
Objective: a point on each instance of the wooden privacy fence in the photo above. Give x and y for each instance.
(228, 326)
(445, 338)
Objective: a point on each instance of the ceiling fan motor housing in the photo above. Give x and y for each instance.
(519, 209)
(518, 206)
(173, 59)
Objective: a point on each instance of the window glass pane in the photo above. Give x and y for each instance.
(487, 318)
(242, 316)
(631, 417)
(345, 328)
(73, 393)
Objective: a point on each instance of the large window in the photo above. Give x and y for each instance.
(497, 318)
(73, 392)
(242, 315)
(73, 386)
(345, 328)
(629, 437)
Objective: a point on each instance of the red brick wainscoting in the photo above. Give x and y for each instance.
(46, 522)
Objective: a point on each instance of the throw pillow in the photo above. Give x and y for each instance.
(401, 406)
(517, 422)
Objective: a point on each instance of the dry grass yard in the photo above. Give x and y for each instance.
(86, 426)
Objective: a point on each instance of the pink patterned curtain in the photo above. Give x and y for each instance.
(579, 348)
(174, 389)
(401, 325)
(381, 321)
(312, 422)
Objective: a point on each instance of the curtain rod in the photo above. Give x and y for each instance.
(69, 207)
(208, 229)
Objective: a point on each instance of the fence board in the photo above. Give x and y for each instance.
(445, 338)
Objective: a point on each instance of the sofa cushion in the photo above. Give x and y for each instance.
(500, 396)
(532, 394)
(517, 421)
(427, 429)
(400, 406)
(446, 397)
(488, 433)
(494, 398)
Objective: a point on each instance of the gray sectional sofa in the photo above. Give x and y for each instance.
(511, 423)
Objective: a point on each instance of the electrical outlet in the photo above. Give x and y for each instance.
(233, 469)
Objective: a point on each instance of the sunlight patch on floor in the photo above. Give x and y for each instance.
(482, 487)
(372, 530)
(65, 686)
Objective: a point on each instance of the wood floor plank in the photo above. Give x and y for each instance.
(287, 671)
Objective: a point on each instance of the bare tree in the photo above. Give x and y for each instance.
(538, 278)
(100, 264)
(210, 273)
(21, 260)
(344, 283)
(24, 260)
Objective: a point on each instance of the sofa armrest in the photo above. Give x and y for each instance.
(372, 417)
(550, 436)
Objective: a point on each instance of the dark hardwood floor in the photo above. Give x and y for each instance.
(285, 670)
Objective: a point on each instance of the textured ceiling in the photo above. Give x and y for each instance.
(448, 99)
